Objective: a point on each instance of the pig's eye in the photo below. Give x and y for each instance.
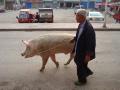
(28, 48)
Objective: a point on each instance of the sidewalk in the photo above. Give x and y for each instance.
(53, 27)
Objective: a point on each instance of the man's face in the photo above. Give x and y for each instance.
(80, 18)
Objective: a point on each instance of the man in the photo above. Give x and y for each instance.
(37, 17)
(84, 48)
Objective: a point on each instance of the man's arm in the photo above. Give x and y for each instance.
(90, 43)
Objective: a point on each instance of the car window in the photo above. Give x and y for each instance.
(95, 14)
(46, 10)
(23, 15)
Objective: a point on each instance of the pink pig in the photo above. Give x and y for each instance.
(47, 46)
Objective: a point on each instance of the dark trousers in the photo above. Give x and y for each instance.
(82, 68)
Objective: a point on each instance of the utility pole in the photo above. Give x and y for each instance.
(80, 3)
(88, 1)
(104, 25)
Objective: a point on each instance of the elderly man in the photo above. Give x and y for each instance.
(84, 48)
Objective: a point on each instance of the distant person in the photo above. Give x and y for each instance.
(14, 6)
(23, 5)
(84, 48)
(30, 16)
(37, 17)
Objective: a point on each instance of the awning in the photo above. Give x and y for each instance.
(102, 4)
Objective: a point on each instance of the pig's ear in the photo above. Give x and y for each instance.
(25, 42)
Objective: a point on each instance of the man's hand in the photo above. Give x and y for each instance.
(87, 58)
(71, 41)
(73, 54)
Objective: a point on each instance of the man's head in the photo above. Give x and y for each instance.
(81, 15)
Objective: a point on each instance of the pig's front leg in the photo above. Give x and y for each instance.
(44, 61)
(71, 57)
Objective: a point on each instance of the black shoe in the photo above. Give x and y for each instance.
(90, 73)
(81, 82)
(77, 83)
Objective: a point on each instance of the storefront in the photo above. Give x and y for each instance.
(2, 5)
(34, 3)
(9, 4)
(72, 3)
(48, 3)
(68, 3)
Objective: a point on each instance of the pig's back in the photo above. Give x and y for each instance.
(56, 38)
(57, 42)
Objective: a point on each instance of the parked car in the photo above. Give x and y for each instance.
(2, 9)
(95, 16)
(26, 16)
(46, 15)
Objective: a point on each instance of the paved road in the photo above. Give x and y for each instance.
(17, 73)
(60, 16)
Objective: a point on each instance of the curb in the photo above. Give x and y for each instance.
(57, 29)
(54, 27)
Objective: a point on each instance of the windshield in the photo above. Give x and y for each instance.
(45, 10)
(23, 14)
(95, 14)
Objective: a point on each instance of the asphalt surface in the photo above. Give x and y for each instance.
(64, 20)
(17, 73)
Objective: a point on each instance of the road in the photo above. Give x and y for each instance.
(17, 73)
(60, 16)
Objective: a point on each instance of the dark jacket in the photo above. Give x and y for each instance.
(87, 41)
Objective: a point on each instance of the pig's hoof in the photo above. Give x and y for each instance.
(41, 70)
(66, 63)
(57, 64)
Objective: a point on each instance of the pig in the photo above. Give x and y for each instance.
(47, 46)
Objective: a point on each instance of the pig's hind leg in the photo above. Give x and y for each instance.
(44, 61)
(69, 60)
(54, 60)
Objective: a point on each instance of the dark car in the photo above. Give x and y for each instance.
(46, 15)
(2, 10)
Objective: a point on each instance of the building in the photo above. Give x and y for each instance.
(12, 4)
(2, 2)
(34, 3)
(2, 5)
(9, 4)
(50, 3)
(72, 3)
(115, 6)
(115, 2)
(88, 4)
(47, 3)
(69, 3)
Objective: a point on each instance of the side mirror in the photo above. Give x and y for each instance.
(17, 17)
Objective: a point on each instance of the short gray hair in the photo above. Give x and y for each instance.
(82, 12)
